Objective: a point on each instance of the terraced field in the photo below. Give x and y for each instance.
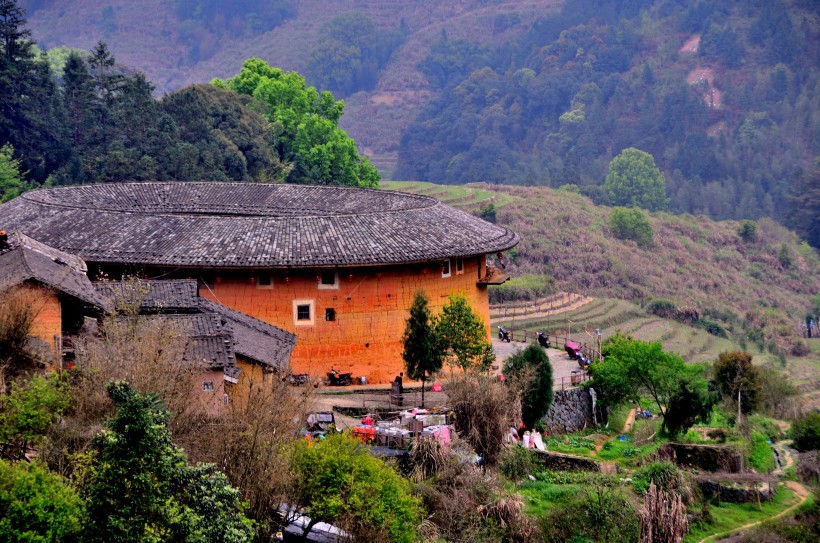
(608, 315)
(466, 197)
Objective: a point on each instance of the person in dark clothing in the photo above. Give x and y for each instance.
(397, 382)
(4, 242)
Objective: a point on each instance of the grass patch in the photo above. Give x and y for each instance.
(729, 516)
(541, 497)
(761, 457)
(617, 418)
(571, 444)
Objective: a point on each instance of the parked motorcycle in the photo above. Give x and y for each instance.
(504, 335)
(543, 339)
(336, 379)
(583, 361)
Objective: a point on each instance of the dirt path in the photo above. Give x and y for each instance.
(799, 490)
(629, 422)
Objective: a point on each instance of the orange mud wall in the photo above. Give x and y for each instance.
(371, 306)
(48, 315)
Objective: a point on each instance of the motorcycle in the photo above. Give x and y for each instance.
(336, 379)
(583, 361)
(543, 339)
(504, 335)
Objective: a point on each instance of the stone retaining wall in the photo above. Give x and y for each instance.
(713, 489)
(571, 411)
(705, 457)
(563, 462)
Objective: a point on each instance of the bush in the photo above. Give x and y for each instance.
(337, 481)
(631, 224)
(806, 432)
(533, 371)
(747, 231)
(36, 505)
(517, 462)
(712, 327)
(600, 513)
(664, 309)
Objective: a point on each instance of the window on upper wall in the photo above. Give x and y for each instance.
(207, 386)
(330, 314)
(459, 266)
(329, 279)
(445, 268)
(264, 280)
(303, 312)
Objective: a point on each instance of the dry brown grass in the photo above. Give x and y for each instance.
(19, 308)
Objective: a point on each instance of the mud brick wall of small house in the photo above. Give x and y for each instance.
(371, 308)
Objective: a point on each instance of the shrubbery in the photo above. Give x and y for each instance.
(806, 432)
(632, 224)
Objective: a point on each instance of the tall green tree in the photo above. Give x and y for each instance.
(421, 354)
(534, 364)
(804, 201)
(311, 141)
(12, 183)
(631, 368)
(462, 335)
(138, 486)
(634, 180)
(737, 377)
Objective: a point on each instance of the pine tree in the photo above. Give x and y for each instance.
(422, 355)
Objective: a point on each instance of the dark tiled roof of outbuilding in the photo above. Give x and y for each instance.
(240, 225)
(206, 340)
(250, 337)
(255, 339)
(171, 296)
(29, 260)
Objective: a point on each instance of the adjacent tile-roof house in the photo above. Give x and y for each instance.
(337, 267)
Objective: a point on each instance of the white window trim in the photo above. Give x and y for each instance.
(334, 286)
(259, 284)
(296, 304)
(449, 271)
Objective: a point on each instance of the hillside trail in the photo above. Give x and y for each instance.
(629, 422)
(800, 491)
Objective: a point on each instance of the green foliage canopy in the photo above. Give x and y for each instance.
(634, 180)
(632, 367)
(12, 183)
(806, 432)
(537, 398)
(337, 481)
(36, 506)
(735, 373)
(30, 409)
(138, 486)
(632, 224)
(421, 353)
(462, 335)
(311, 140)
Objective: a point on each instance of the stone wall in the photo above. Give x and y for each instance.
(705, 457)
(370, 306)
(563, 462)
(571, 411)
(733, 494)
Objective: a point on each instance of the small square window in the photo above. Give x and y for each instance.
(445, 268)
(459, 266)
(330, 314)
(303, 312)
(264, 280)
(207, 386)
(329, 279)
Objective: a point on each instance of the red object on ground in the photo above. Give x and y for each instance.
(436, 387)
(368, 421)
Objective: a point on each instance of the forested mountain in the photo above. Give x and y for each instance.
(724, 95)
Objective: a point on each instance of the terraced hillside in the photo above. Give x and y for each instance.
(694, 262)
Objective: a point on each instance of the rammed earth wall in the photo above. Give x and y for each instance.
(571, 411)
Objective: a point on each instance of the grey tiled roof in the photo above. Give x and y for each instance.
(206, 340)
(255, 339)
(249, 225)
(250, 337)
(30, 260)
(170, 296)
